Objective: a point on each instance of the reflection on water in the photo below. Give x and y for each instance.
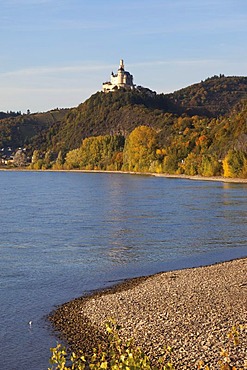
(64, 234)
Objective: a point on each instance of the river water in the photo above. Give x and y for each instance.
(63, 235)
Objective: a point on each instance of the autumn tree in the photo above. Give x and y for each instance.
(35, 156)
(235, 164)
(37, 160)
(58, 165)
(140, 149)
(47, 160)
(72, 159)
(97, 153)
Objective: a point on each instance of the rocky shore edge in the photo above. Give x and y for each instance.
(236, 180)
(192, 310)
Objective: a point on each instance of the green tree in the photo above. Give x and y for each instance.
(191, 164)
(210, 166)
(171, 162)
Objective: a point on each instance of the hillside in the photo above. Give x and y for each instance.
(18, 130)
(112, 113)
(213, 97)
(184, 145)
(120, 112)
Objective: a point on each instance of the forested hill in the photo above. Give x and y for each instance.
(213, 97)
(113, 113)
(182, 145)
(18, 130)
(9, 114)
(120, 112)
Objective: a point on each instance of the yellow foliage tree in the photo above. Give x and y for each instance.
(140, 149)
(234, 164)
(97, 153)
(72, 159)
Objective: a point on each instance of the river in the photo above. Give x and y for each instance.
(65, 234)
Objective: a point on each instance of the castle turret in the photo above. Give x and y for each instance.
(121, 73)
(121, 65)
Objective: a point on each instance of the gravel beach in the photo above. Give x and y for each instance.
(191, 310)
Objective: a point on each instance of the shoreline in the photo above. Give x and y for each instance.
(165, 175)
(191, 310)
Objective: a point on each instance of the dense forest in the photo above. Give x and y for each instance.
(18, 130)
(201, 129)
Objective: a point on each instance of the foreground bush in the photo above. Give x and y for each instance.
(121, 355)
(118, 355)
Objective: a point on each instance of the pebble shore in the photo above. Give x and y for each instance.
(191, 310)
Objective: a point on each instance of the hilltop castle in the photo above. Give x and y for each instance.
(122, 79)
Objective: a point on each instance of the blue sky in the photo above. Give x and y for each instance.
(57, 53)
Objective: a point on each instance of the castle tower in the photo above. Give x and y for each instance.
(121, 73)
(121, 65)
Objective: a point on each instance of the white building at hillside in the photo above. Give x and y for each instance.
(122, 79)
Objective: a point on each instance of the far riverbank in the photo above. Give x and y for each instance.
(166, 175)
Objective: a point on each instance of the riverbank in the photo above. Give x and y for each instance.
(182, 176)
(192, 310)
